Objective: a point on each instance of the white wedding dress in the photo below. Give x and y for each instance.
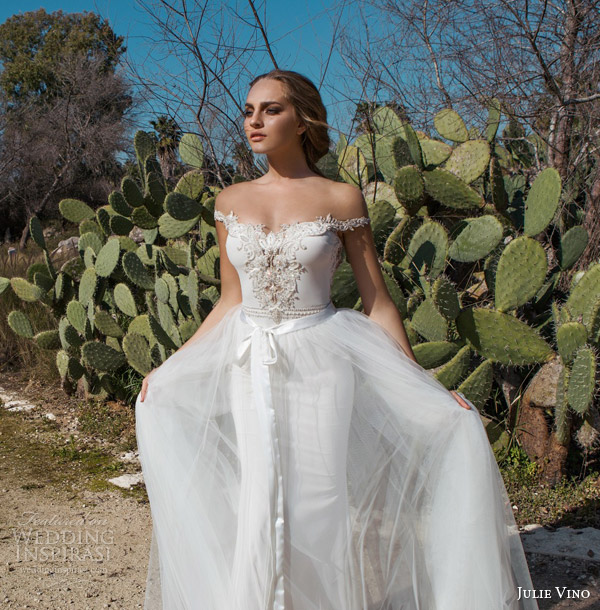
(296, 459)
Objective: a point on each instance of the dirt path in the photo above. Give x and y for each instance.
(87, 552)
(69, 539)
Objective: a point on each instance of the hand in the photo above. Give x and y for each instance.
(145, 384)
(461, 401)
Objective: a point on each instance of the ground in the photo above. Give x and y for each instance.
(69, 539)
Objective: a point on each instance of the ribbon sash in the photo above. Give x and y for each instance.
(263, 353)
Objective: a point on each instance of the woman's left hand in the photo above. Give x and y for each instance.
(460, 400)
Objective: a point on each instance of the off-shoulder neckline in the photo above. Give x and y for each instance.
(286, 225)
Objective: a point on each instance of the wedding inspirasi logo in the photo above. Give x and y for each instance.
(76, 539)
(548, 593)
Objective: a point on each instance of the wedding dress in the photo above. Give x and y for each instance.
(296, 459)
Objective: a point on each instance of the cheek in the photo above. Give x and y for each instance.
(283, 124)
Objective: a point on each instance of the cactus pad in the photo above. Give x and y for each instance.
(450, 125)
(108, 258)
(570, 336)
(502, 338)
(181, 207)
(435, 152)
(478, 385)
(585, 293)
(136, 271)
(434, 353)
(48, 339)
(102, 357)
(409, 188)
(429, 245)
(582, 380)
(469, 160)
(25, 290)
(445, 298)
(477, 239)
(75, 210)
(144, 144)
(542, 201)
(137, 350)
(449, 190)
(191, 184)
(520, 273)
(453, 371)
(191, 150)
(429, 323)
(20, 324)
(107, 325)
(572, 245)
(37, 234)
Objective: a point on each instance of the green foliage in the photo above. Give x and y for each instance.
(463, 248)
(32, 43)
(457, 206)
(120, 304)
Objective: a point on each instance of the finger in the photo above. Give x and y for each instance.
(464, 403)
(460, 400)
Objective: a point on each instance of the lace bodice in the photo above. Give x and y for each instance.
(286, 273)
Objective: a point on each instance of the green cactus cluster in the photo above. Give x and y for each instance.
(465, 249)
(119, 303)
(468, 260)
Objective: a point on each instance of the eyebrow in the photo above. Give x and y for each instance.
(263, 104)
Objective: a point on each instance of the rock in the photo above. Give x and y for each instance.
(137, 235)
(66, 245)
(127, 481)
(130, 456)
(563, 542)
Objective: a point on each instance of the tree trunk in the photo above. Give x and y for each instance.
(41, 206)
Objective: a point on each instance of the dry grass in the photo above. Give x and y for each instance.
(16, 351)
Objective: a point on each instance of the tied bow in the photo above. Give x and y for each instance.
(266, 342)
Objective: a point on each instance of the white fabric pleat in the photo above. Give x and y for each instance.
(311, 465)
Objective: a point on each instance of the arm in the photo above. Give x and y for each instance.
(377, 302)
(362, 256)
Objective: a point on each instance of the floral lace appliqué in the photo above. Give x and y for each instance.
(271, 262)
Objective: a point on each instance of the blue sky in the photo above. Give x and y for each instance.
(301, 34)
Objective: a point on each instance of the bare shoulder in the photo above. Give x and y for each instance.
(224, 201)
(348, 201)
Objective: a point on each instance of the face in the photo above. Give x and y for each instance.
(269, 113)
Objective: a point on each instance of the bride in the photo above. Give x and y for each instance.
(295, 454)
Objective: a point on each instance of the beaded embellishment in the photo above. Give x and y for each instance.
(271, 257)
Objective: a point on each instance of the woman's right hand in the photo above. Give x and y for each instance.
(145, 384)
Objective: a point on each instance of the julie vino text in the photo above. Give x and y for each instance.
(560, 592)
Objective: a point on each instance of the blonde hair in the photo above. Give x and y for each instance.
(301, 92)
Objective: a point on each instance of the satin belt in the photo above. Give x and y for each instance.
(263, 353)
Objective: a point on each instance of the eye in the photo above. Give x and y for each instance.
(272, 110)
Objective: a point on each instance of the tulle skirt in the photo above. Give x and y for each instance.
(311, 465)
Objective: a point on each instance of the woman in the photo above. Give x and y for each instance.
(295, 454)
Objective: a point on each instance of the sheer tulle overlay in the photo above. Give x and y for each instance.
(311, 465)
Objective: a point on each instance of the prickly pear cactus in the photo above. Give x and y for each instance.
(107, 300)
(469, 254)
(464, 248)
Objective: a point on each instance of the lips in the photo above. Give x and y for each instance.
(257, 136)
